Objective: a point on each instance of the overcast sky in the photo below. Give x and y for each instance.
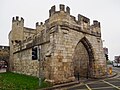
(105, 11)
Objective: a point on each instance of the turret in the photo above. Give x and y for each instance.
(17, 29)
(39, 26)
(15, 36)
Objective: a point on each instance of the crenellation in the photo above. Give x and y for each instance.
(95, 28)
(52, 10)
(17, 18)
(50, 13)
(22, 19)
(13, 19)
(96, 23)
(84, 23)
(39, 27)
(73, 18)
(67, 10)
(39, 24)
(62, 7)
(83, 19)
(18, 21)
(67, 46)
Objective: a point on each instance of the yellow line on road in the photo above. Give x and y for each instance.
(111, 84)
(88, 87)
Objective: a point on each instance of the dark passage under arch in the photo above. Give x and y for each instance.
(83, 59)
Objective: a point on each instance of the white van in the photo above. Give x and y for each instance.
(115, 64)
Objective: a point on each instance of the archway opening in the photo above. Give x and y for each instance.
(83, 59)
(3, 64)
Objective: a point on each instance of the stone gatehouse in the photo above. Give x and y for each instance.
(68, 46)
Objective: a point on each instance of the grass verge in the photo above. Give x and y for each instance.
(15, 81)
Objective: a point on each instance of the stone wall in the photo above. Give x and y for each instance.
(64, 42)
(4, 54)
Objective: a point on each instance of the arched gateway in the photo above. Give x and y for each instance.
(68, 47)
(83, 59)
(3, 64)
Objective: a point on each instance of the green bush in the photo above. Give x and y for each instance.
(109, 62)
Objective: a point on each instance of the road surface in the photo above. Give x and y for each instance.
(102, 84)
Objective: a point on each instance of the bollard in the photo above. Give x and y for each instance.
(110, 70)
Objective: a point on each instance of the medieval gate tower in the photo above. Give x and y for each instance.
(68, 47)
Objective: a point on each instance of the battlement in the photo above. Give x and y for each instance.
(14, 19)
(4, 48)
(17, 21)
(61, 8)
(39, 23)
(96, 23)
(39, 27)
(63, 15)
(83, 19)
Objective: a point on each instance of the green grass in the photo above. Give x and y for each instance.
(14, 81)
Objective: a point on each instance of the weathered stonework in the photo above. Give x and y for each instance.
(67, 47)
(4, 56)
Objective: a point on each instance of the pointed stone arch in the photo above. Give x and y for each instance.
(83, 59)
(89, 48)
